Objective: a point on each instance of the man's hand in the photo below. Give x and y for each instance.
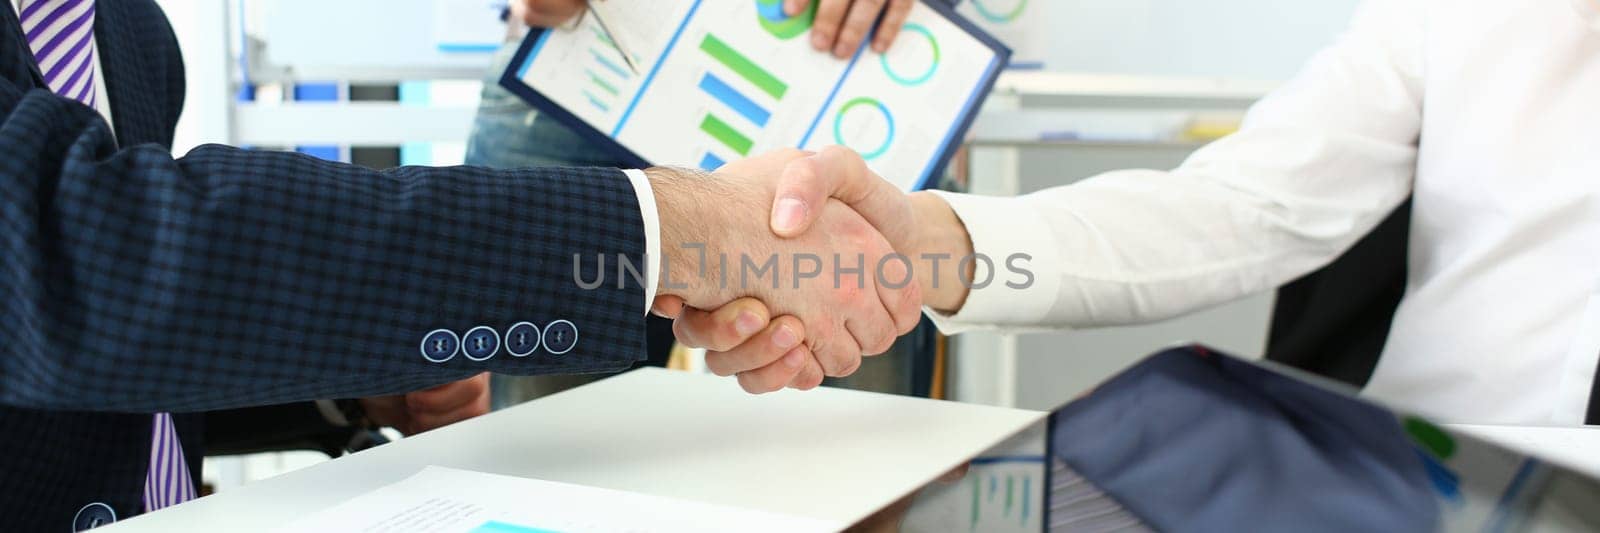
(546, 13)
(839, 28)
(838, 281)
(433, 408)
(918, 226)
(841, 25)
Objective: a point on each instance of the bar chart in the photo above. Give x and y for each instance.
(605, 74)
(744, 96)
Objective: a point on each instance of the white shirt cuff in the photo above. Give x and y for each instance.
(652, 233)
(1024, 280)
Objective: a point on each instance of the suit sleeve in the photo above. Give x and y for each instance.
(134, 281)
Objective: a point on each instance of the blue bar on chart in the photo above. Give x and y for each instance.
(711, 162)
(609, 64)
(597, 102)
(735, 100)
(495, 526)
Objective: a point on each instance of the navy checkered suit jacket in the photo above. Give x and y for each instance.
(134, 282)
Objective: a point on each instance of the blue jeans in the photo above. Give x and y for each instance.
(509, 133)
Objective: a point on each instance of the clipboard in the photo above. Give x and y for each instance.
(727, 79)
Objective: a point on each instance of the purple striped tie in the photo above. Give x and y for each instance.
(167, 482)
(61, 34)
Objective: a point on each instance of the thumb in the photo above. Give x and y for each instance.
(837, 172)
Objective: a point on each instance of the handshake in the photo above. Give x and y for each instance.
(790, 266)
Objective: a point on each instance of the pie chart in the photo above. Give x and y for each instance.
(780, 24)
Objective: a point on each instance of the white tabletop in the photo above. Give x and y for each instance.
(1577, 448)
(830, 454)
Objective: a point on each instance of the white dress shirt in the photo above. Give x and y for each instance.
(1487, 110)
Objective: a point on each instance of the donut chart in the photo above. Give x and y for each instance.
(999, 16)
(869, 118)
(921, 76)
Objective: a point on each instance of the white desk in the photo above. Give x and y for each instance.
(831, 454)
(1574, 447)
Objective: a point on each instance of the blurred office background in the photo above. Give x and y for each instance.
(1098, 85)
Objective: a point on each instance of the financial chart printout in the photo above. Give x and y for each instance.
(720, 80)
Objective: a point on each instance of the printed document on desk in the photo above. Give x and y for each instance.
(446, 500)
(721, 80)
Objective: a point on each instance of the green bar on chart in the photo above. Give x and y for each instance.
(743, 66)
(724, 133)
(602, 83)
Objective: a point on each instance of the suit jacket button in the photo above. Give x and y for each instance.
(92, 516)
(560, 337)
(440, 345)
(522, 339)
(480, 343)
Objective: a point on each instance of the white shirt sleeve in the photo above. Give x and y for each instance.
(652, 233)
(1316, 165)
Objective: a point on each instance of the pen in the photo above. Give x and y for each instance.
(616, 42)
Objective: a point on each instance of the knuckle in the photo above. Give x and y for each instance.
(838, 362)
(825, 358)
(807, 170)
(803, 382)
(828, 326)
(879, 340)
(850, 366)
(907, 322)
(909, 310)
(813, 380)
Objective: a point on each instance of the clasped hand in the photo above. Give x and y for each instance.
(825, 265)
(824, 262)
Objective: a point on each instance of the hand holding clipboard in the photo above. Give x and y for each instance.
(840, 25)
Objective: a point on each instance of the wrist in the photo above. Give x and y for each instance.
(939, 249)
(683, 203)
